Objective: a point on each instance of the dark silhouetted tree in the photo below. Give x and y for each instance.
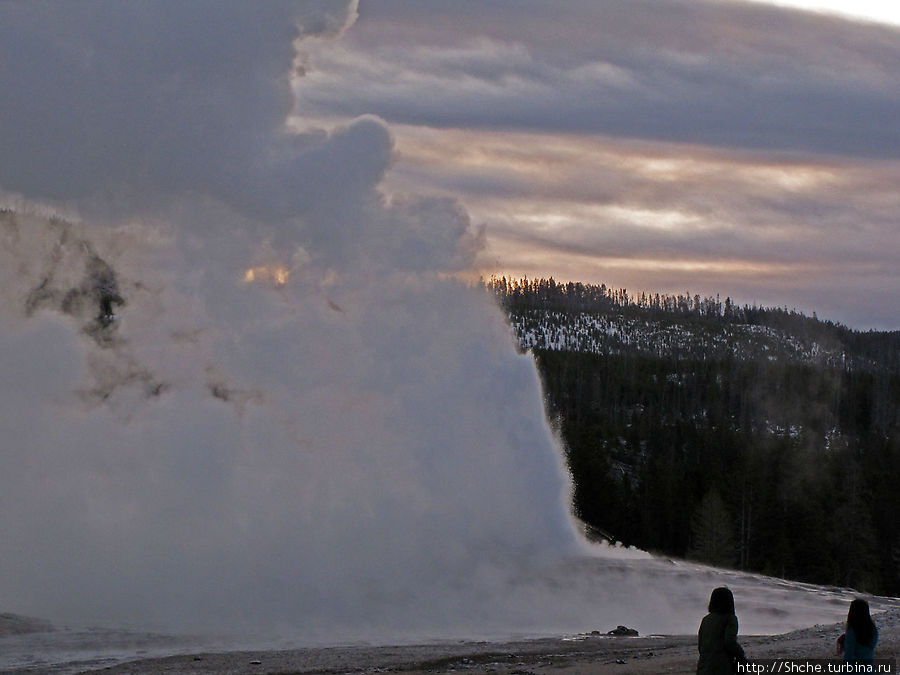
(712, 532)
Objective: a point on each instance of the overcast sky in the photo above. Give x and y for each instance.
(728, 147)
(747, 149)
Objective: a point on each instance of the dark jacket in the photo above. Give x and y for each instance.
(857, 652)
(717, 642)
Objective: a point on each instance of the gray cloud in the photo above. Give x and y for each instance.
(719, 135)
(726, 74)
(665, 200)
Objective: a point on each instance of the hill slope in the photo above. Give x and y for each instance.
(742, 436)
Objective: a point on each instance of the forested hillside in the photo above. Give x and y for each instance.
(750, 437)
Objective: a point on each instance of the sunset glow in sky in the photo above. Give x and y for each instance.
(739, 148)
(736, 147)
(867, 10)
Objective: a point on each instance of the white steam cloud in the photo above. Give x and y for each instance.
(271, 452)
(240, 388)
(252, 396)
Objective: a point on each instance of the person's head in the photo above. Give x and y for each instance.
(721, 601)
(860, 621)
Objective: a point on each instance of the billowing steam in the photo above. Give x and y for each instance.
(240, 387)
(253, 395)
(285, 448)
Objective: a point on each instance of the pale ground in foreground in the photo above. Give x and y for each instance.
(593, 654)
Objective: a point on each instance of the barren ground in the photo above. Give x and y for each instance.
(590, 654)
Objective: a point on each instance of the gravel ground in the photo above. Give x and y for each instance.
(579, 656)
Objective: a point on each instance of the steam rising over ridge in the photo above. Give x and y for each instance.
(189, 445)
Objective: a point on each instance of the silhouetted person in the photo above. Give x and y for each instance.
(861, 634)
(717, 637)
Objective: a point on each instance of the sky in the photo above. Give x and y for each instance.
(717, 147)
(867, 10)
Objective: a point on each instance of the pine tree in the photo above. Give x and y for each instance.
(712, 532)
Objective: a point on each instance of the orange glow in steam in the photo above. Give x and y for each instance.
(275, 274)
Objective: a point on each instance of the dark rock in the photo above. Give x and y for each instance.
(623, 631)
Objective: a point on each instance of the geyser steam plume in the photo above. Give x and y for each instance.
(239, 385)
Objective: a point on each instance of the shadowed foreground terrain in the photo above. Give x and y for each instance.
(575, 656)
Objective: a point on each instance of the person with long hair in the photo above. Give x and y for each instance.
(717, 637)
(861, 634)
